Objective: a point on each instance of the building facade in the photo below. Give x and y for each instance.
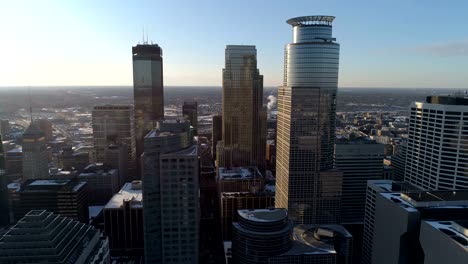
(306, 183)
(170, 194)
(103, 183)
(244, 116)
(216, 132)
(67, 198)
(123, 220)
(46, 128)
(148, 92)
(359, 160)
(4, 211)
(190, 112)
(44, 237)
(35, 155)
(114, 125)
(436, 153)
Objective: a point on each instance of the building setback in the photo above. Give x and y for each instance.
(148, 92)
(44, 237)
(306, 183)
(123, 220)
(170, 194)
(68, 198)
(244, 116)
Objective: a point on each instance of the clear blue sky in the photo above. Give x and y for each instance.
(383, 43)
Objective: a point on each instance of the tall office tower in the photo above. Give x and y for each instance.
(44, 237)
(4, 219)
(360, 160)
(65, 197)
(103, 182)
(113, 125)
(216, 132)
(267, 236)
(14, 163)
(116, 157)
(170, 194)
(306, 183)
(148, 92)
(123, 220)
(4, 128)
(400, 236)
(244, 116)
(35, 155)
(437, 136)
(46, 127)
(190, 112)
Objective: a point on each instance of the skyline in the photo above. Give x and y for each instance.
(89, 44)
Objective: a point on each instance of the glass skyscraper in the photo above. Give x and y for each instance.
(148, 93)
(306, 182)
(244, 117)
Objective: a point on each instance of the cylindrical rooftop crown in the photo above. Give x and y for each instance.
(311, 28)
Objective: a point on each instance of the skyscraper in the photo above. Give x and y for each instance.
(306, 183)
(148, 93)
(35, 155)
(438, 132)
(4, 219)
(46, 127)
(190, 112)
(216, 132)
(244, 116)
(170, 194)
(114, 125)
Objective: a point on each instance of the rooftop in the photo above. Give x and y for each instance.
(238, 173)
(130, 192)
(264, 215)
(456, 230)
(456, 99)
(310, 20)
(436, 198)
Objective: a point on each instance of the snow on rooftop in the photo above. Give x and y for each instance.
(236, 173)
(49, 182)
(131, 191)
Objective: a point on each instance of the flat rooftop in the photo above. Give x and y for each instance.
(456, 230)
(264, 215)
(436, 198)
(130, 192)
(238, 173)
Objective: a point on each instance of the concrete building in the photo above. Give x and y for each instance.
(123, 220)
(399, 161)
(148, 92)
(360, 160)
(216, 132)
(46, 128)
(35, 155)
(103, 183)
(14, 163)
(69, 159)
(114, 125)
(117, 158)
(437, 136)
(306, 183)
(244, 116)
(4, 210)
(43, 237)
(68, 198)
(170, 194)
(190, 112)
(400, 234)
(267, 236)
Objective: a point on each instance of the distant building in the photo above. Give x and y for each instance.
(240, 179)
(267, 236)
(306, 183)
(359, 160)
(46, 128)
(244, 116)
(4, 128)
(123, 220)
(35, 155)
(43, 237)
(117, 158)
(14, 163)
(69, 159)
(103, 182)
(402, 236)
(4, 210)
(399, 161)
(65, 197)
(114, 125)
(148, 92)
(435, 158)
(216, 132)
(190, 112)
(170, 194)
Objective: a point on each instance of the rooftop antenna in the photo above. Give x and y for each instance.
(143, 36)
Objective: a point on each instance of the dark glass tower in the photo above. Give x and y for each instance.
(4, 219)
(307, 185)
(244, 117)
(148, 93)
